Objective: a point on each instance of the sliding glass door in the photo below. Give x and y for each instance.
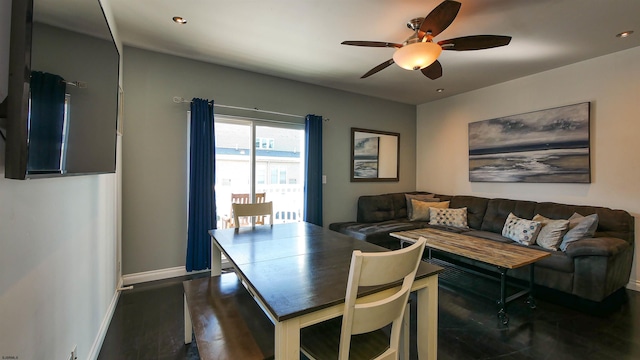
(259, 161)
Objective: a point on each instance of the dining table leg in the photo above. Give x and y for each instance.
(188, 327)
(287, 339)
(216, 260)
(427, 316)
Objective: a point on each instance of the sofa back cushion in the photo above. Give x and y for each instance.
(611, 223)
(498, 210)
(376, 208)
(476, 208)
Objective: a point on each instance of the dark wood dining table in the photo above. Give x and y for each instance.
(297, 273)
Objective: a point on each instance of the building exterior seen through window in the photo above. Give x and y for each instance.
(279, 166)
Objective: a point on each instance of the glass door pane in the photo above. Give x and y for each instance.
(233, 167)
(280, 170)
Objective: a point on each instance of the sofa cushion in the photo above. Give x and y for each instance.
(600, 246)
(489, 236)
(551, 233)
(611, 223)
(476, 208)
(499, 209)
(448, 217)
(375, 208)
(579, 227)
(362, 231)
(421, 209)
(520, 230)
(557, 261)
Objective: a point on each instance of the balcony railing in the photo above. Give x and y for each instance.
(288, 200)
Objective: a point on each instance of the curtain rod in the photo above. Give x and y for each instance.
(177, 99)
(78, 84)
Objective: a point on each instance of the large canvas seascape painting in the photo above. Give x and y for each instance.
(548, 146)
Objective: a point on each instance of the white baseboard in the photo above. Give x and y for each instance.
(634, 285)
(104, 326)
(161, 274)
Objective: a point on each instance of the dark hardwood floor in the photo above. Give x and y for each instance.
(148, 324)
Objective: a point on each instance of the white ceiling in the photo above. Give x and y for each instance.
(300, 39)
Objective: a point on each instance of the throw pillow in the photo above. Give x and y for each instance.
(579, 227)
(419, 197)
(520, 230)
(551, 233)
(421, 209)
(448, 217)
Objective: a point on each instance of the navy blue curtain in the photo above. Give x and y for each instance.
(47, 121)
(313, 170)
(202, 198)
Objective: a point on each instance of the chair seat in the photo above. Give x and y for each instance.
(321, 341)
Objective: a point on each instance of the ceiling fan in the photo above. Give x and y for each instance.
(420, 52)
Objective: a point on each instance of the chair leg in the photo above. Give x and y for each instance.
(404, 335)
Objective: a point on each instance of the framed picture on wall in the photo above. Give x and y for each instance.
(374, 155)
(546, 146)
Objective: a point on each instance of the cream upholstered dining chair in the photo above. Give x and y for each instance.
(359, 334)
(259, 210)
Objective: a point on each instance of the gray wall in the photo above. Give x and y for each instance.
(155, 142)
(58, 242)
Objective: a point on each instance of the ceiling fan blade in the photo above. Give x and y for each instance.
(475, 42)
(372, 44)
(433, 71)
(382, 66)
(441, 17)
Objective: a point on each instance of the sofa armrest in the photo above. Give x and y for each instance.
(599, 246)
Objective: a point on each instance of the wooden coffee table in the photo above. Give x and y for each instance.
(501, 255)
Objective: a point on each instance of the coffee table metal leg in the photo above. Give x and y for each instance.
(502, 303)
(530, 300)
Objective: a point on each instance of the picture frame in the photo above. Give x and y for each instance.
(545, 146)
(375, 155)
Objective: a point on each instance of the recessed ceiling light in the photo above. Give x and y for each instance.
(625, 34)
(440, 90)
(179, 20)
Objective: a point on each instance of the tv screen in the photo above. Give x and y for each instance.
(63, 92)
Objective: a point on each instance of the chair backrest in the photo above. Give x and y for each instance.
(257, 210)
(373, 269)
(246, 199)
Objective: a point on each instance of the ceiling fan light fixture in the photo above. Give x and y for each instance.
(179, 20)
(624, 34)
(417, 56)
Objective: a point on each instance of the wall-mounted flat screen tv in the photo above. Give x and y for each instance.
(63, 90)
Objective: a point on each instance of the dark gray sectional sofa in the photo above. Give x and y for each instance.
(590, 268)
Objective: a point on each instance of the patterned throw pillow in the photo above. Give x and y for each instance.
(551, 233)
(421, 209)
(449, 217)
(579, 227)
(419, 197)
(520, 230)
